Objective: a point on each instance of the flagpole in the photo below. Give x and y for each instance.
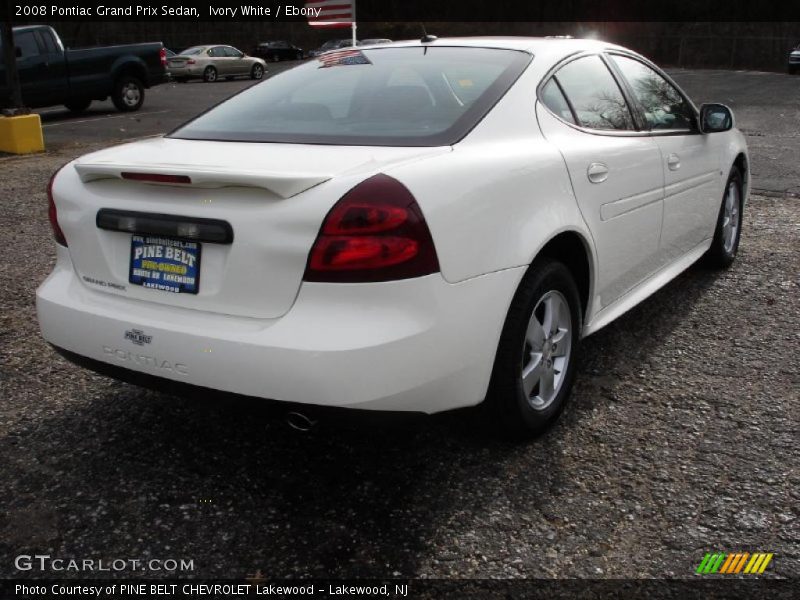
(353, 24)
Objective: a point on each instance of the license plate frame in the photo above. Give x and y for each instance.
(165, 264)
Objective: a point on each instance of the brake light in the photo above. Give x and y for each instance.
(52, 212)
(163, 56)
(191, 61)
(376, 232)
(156, 177)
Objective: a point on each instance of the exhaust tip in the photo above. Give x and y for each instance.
(300, 422)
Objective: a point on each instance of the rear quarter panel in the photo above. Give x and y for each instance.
(501, 195)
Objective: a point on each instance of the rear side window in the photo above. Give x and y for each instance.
(594, 94)
(48, 42)
(664, 107)
(415, 96)
(553, 99)
(218, 52)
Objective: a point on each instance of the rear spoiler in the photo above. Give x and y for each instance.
(282, 184)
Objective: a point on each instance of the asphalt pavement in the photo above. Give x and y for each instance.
(166, 106)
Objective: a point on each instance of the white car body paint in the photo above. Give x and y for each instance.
(492, 201)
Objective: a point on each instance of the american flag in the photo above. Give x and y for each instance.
(333, 13)
(343, 57)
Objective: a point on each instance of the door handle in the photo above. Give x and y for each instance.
(674, 162)
(597, 172)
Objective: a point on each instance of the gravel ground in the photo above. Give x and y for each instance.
(680, 438)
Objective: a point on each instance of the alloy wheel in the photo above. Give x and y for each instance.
(730, 218)
(546, 350)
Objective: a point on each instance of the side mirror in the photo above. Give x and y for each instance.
(715, 118)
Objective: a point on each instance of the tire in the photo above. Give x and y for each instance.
(728, 231)
(275, 58)
(792, 70)
(257, 72)
(521, 408)
(298, 56)
(210, 75)
(78, 106)
(128, 94)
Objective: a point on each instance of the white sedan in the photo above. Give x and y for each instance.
(418, 226)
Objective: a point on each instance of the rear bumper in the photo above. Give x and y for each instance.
(419, 345)
(193, 71)
(330, 414)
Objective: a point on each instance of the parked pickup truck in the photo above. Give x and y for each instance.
(50, 74)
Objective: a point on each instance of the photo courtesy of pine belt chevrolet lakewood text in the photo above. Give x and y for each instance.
(415, 226)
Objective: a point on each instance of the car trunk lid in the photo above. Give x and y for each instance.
(273, 196)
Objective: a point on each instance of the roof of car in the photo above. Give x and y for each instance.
(533, 45)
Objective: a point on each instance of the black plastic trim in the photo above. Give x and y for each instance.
(158, 224)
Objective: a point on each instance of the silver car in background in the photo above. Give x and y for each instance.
(209, 63)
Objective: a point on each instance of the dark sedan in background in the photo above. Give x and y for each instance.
(374, 41)
(332, 45)
(275, 51)
(794, 60)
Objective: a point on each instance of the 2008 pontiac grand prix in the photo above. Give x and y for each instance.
(416, 226)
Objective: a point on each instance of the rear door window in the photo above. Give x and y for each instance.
(48, 42)
(595, 95)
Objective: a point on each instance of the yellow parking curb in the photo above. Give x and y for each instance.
(21, 135)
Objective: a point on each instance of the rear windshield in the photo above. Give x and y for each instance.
(419, 96)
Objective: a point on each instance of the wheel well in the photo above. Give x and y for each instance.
(132, 69)
(741, 164)
(570, 249)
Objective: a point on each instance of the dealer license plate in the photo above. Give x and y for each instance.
(165, 264)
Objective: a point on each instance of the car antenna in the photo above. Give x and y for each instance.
(426, 38)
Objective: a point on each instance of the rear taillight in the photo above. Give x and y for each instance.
(163, 56)
(191, 61)
(52, 213)
(376, 232)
